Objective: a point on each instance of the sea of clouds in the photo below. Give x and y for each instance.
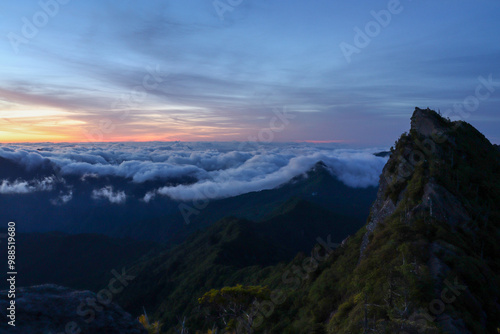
(25, 187)
(220, 169)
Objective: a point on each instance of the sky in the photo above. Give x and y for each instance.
(348, 72)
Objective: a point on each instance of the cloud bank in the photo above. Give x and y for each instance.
(63, 198)
(191, 171)
(26, 187)
(108, 193)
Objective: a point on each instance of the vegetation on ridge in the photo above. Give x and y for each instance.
(431, 261)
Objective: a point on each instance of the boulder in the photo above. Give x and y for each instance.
(52, 309)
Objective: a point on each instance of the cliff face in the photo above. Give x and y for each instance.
(438, 203)
(427, 259)
(428, 132)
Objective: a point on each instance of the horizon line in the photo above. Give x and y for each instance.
(181, 141)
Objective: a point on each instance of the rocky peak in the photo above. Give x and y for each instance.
(417, 151)
(440, 187)
(427, 122)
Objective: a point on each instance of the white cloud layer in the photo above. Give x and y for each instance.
(108, 193)
(219, 169)
(63, 198)
(26, 187)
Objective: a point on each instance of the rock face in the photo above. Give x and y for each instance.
(426, 122)
(442, 204)
(382, 208)
(436, 200)
(434, 176)
(54, 309)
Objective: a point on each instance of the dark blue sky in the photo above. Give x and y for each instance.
(191, 70)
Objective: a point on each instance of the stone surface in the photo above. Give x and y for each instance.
(426, 122)
(436, 202)
(45, 309)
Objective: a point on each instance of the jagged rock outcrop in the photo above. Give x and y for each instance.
(442, 205)
(436, 200)
(427, 123)
(434, 180)
(54, 309)
(427, 260)
(400, 167)
(382, 208)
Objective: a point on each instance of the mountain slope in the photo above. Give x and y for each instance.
(427, 259)
(425, 262)
(232, 250)
(317, 186)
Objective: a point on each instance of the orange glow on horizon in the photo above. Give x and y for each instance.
(54, 126)
(39, 125)
(11, 137)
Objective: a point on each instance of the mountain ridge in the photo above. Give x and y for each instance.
(230, 250)
(438, 189)
(424, 262)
